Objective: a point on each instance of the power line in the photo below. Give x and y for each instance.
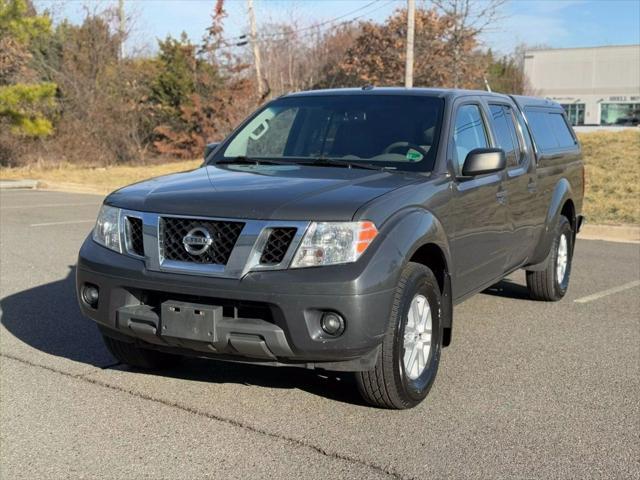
(313, 28)
(326, 22)
(241, 40)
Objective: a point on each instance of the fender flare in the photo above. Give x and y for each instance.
(561, 193)
(414, 229)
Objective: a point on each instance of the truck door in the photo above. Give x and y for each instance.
(520, 183)
(478, 213)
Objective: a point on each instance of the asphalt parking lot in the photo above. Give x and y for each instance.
(527, 389)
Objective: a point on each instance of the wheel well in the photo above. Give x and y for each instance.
(569, 211)
(430, 255)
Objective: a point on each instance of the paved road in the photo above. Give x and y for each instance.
(527, 389)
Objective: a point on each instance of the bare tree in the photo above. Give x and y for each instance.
(471, 18)
(297, 57)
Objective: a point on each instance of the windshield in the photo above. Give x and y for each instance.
(398, 132)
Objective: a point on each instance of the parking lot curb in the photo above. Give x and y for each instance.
(611, 233)
(18, 184)
(74, 188)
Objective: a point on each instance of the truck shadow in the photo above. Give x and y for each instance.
(48, 319)
(508, 289)
(335, 386)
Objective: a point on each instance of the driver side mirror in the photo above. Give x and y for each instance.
(481, 161)
(210, 148)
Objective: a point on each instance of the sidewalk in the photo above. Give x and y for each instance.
(13, 184)
(611, 233)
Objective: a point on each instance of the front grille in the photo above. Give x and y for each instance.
(223, 236)
(133, 230)
(277, 245)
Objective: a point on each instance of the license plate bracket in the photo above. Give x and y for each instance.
(189, 321)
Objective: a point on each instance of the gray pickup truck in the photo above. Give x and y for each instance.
(336, 230)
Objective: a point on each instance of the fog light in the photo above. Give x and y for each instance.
(332, 324)
(90, 295)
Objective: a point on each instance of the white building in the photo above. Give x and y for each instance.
(596, 86)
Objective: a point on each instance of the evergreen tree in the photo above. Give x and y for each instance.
(25, 104)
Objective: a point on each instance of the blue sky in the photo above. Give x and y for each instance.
(556, 23)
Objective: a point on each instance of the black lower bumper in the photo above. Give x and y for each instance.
(203, 327)
(270, 317)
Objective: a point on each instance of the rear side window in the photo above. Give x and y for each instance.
(505, 131)
(550, 131)
(561, 130)
(469, 133)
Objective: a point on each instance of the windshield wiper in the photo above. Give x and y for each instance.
(319, 161)
(244, 160)
(335, 162)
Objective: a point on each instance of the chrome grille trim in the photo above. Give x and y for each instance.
(244, 257)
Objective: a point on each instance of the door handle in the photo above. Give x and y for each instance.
(501, 195)
(532, 186)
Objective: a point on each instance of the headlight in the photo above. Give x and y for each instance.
(331, 243)
(107, 229)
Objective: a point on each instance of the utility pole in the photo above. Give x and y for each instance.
(486, 84)
(411, 25)
(121, 27)
(254, 44)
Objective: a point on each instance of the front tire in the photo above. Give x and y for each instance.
(408, 361)
(551, 284)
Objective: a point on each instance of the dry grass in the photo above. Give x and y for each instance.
(612, 159)
(98, 179)
(613, 176)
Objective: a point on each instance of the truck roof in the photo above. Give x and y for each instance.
(524, 101)
(371, 90)
(521, 100)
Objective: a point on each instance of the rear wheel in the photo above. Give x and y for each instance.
(131, 354)
(551, 284)
(410, 354)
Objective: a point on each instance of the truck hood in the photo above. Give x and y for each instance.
(269, 192)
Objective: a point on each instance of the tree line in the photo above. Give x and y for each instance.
(67, 94)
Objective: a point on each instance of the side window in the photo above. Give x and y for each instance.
(505, 132)
(468, 134)
(550, 130)
(518, 141)
(561, 130)
(542, 133)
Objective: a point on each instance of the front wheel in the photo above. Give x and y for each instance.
(410, 354)
(551, 284)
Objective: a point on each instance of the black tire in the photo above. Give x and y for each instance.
(545, 284)
(141, 358)
(388, 385)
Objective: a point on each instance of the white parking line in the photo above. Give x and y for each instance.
(50, 205)
(611, 291)
(69, 222)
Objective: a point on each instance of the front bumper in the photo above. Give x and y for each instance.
(269, 317)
